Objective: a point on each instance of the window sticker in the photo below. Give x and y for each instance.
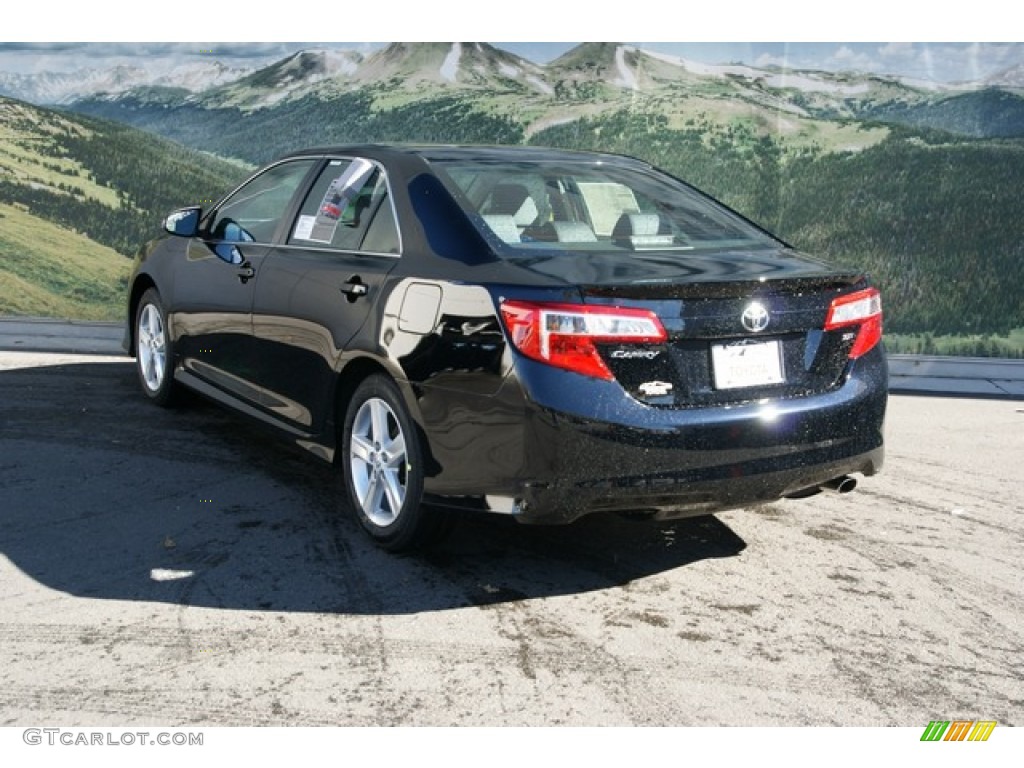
(304, 228)
(338, 197)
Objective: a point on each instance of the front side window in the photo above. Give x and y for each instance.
(529, 207)
(254, 211)
(347, 208)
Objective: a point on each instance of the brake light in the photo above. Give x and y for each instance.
(863, 309)
(566, 335)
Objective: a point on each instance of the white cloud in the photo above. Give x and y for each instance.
(897, 50)
(770, 60)
(845, 58)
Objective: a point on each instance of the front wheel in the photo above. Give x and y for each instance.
(383, 468)
(154, 353)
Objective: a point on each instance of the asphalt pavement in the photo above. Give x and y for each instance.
(184, 567)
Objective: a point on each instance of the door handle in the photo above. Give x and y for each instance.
(355, 288)
(246, 272)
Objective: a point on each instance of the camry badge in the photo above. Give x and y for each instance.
(754, 317)
(634, 354)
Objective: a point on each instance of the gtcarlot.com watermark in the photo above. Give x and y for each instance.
(72, 737)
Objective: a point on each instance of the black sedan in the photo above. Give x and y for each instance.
(535, 333)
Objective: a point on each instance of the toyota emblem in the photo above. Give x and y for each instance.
(754, 317)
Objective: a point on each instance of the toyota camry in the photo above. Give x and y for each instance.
(535, 333)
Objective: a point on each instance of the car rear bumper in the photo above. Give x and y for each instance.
(671, 494)
(584, 448)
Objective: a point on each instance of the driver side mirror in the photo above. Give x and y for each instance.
(184, 222)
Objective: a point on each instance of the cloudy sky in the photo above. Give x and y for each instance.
(937, 61)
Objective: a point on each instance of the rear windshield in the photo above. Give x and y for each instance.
(526, 207)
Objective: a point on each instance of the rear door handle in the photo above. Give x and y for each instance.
(355, 288)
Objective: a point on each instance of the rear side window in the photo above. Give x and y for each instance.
(527, 206)
(347, 208)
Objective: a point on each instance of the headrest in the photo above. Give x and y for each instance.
(504, 227)
(513, 200)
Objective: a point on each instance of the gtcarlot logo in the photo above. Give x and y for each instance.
(71, 737)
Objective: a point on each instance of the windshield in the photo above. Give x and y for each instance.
(530, 207)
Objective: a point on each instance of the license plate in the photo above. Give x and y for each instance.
(747, 364)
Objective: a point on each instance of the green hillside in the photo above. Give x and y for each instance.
(49, 271)
(103, 179)
(936, 222)
(78, 196)
(262, 135)
(989, 113)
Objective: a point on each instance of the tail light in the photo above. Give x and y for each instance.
(566, 335)
(862, 309)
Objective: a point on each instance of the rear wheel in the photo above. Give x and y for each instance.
(154, 352)
(383, 468)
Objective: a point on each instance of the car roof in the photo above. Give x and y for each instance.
(481, 153)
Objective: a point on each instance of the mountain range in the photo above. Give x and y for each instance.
(917, 183)
(465, 64)
(60, 88)
(591, 78)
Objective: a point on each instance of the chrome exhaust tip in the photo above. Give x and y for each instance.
(843, 484)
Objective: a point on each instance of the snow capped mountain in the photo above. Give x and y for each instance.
(64, 87)
(416, 68)
(631, 68)
(587, 62)
(1012, 77)
(198, 76)
(593, 72)
(67, 87)
(405, 65)
(472, 65)
(294, 75)
(709, 70)
(638, 69)
(304, 68)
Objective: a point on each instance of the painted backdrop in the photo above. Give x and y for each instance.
(905, 159)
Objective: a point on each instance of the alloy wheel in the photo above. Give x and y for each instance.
(152, 347)
(379, 462)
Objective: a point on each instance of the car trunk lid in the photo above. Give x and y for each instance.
(740, 327)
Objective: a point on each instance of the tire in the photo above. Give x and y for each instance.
(154, 351)
(383, 469)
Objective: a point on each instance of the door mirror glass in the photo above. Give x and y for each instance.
(229, 233)
(184, 222)
(228, 252)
